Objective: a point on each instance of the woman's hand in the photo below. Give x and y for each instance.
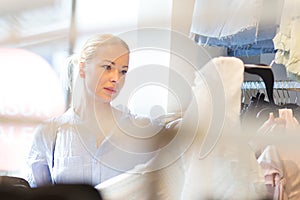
(285, 122)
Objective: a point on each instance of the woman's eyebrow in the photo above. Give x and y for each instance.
(113, 63)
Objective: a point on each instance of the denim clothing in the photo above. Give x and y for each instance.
(239, 25)
(245, 43)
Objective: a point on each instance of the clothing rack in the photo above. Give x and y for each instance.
(284, 91)
(278, 85)
(266, 74)
(277, 91)
(261, 97)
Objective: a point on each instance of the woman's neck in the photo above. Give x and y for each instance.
(92, 112)
(99, 117)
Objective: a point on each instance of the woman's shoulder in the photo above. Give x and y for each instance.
(69, 117)
(51, 125)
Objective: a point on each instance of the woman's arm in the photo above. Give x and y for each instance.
(40, 155)
(41, 174)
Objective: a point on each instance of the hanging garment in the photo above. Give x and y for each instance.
(280, 165)
(277, 148)
(287, 40)
(246, 28)
(221, 172)
(272, 167)
(253, 41)
(215, 18)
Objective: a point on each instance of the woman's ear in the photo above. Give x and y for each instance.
(82, 69)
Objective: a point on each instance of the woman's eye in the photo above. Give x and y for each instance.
(107, 67)
(123, 72)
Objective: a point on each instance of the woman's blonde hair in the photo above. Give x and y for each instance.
(87, 52)
(90, 47)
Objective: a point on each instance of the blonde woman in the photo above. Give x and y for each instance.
(74, 147)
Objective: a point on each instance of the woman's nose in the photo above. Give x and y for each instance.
(114, 75)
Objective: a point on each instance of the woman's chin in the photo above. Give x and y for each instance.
(103, 99)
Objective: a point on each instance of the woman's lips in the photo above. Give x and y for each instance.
(110, 90)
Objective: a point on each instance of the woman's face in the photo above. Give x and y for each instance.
(105, 73)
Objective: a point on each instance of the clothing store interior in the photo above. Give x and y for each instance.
(208, 106)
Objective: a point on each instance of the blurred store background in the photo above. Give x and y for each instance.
(37, 36)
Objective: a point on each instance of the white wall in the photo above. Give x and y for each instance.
(149, 96)
(191, 56)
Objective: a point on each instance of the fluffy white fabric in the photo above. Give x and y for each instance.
(220, 164)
